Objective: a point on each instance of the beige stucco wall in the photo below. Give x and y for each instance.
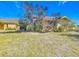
(5, 26)
(10, 26)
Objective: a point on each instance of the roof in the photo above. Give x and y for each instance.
(9, 21)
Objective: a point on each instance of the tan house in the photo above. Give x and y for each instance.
(62, 24)
(8, 24)
(66, 25)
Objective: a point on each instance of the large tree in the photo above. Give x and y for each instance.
(28, 10)
(31, 10)
(41, 12)
(28, 13)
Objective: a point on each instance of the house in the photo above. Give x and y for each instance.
(48, 23)
(65, 24)
(9, 24)
(61, 25)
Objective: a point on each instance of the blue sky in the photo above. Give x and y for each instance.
(66, 8)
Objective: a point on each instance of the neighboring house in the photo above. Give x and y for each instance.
(66, 24)
(9, 24)
(63, 23)
(48, 23)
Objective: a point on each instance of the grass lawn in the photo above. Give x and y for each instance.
(39, 44)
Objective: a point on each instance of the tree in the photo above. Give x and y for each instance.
(28, 13)
(73, 26)
(39, 11)
(42, 10)
(56, 16)
(28, 8)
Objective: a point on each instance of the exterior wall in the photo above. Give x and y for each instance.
(10, 27)
(70, 28)
(5, 26)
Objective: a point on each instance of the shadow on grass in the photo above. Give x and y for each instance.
(20, 32)
(76, 36)
(9, 32)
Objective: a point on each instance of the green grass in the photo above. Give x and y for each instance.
(39, 44)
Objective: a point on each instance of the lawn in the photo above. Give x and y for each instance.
(39, 44)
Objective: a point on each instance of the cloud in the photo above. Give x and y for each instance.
(61, 3)
(16, 3)
(64, 2)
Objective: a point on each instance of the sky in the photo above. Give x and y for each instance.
(13, 9)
